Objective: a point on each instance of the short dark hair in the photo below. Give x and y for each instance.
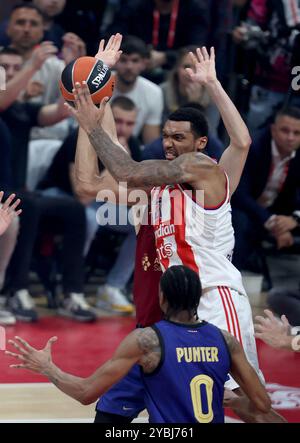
(134, 45)
(28, 6)
(193, 115)
(8, 50)
(289, 111)
(181, 286)
(124, 103)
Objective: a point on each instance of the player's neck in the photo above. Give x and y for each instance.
(184, 317)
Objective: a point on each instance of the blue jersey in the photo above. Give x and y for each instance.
(188, 384)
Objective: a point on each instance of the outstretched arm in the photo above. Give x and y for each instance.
(245, 376)
(86, 390)
(234, 157)
(146, 174)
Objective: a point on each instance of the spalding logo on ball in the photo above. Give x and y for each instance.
(97, 75)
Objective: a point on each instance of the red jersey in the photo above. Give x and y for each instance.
(146, 278)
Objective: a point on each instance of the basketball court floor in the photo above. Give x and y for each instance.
(28, 397)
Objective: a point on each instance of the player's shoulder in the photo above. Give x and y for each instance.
(201, 161)
(146, 337)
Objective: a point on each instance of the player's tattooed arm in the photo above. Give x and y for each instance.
(123, 168)
(149, 345)
(119, 164)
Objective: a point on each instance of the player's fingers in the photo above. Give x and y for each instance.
(258, 327)
(1, 195)
(262, 320)
(118, 41)
(200, 55)
(12, 354)
(212, 53)
(18, 212)
(110, 42)
(22, 366)
(14, 205)
(17, 346)
(50, 342)
(205, 53)
(285, 321)
(24, 343)
(101, 45)
(103, 103)
(80, 95)
(8, 201)
(270, 315)
(86, 93)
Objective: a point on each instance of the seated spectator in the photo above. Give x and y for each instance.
(164, 25)
(53, 32)
(275, 40)
(21, 116)
(155, 151)
(9, 227)
(146, 96)
(265, 202)
(60, 180)
(26, 30)
(178, 90)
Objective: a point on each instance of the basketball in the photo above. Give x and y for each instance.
(97, 75)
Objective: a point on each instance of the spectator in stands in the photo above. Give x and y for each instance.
(52, 30)
(146, 95)
(164, 25)
(26, 30)
(266, 201)
(60, 180)
(178, 90)
(84, 18)
(20, 116)
(8, 213)
(276, 41)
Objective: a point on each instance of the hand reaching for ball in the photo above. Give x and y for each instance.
(111, 53)
(85, 112)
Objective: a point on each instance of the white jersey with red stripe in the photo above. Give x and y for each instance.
(186, 233)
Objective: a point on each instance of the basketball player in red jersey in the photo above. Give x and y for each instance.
(205, 246)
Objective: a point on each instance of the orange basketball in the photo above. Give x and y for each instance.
(97, 75)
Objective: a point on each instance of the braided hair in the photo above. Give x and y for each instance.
(182, 289)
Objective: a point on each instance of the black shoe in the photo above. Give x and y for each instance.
(22, 306)
(74, 306)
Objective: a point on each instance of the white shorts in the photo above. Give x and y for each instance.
(229, 310)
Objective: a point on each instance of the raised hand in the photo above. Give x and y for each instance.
(273, 331)
(204, 65)
(8, 211)
(31, 358)
(85, 112)
(73, 47)
(111, 53)
(41, 53)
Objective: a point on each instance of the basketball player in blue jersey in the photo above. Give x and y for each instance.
(184, 361)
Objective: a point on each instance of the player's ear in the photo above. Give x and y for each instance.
(201, 143)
